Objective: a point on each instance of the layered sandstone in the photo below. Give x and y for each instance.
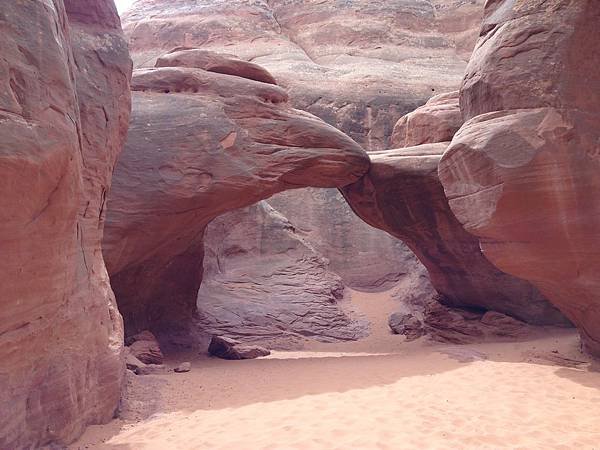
(200, 144)
(264, 283)
(402, 194)
(435, 121)
(366, 258)
(359, 65)
(522, 173)
(64, 107)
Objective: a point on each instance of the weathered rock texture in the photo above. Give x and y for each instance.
(359, 65)
(366, 258)
(402, 195)
(522, 174)
(227, 348)
(264, 283)
(64, 107)
(200, 144)
(436, 121)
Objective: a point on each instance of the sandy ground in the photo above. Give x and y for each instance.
(378, 393)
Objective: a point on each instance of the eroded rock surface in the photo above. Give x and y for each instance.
(264, 283)
(522, 174)
(366, 258)
(402, 195)
(201, 144)
(435, 121)
(359, 65)
(64, 107)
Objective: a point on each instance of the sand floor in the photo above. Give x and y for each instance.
(378, 393)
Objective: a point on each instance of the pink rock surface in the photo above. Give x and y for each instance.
(201, 144)
(263, 283)
(522, 174)
(402, 195)
(366, 258)
(359, 65)
(436, 121)
(64, 107)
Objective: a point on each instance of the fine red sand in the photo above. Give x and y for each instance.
(378, 393)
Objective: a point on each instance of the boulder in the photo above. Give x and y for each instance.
(227, 348)
(402, 195)
(521, 174)
(183, 367)
(406, 325)
(201, 144)
(146, 348)
(64, 109)
(436, 121)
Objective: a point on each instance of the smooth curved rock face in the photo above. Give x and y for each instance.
(64, 107)
(436, 121)
(402, 195)
(357, 64)
(201, 144)
(524, 179)
(366, 258)
(263, 283)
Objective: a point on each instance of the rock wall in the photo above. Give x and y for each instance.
(64, 107)
(364, 257)
(521, 174)
(357, 64)
(264, 283)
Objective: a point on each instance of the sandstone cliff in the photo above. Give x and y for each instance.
(522, 173)
(64, 108)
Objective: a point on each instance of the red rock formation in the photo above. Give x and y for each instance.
(64, 107)
(522, 175)
(359, 65)
(436, 121)
(264, 283)
(201, 144)
(402, 195)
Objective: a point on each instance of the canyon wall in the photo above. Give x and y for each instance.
(522, 173)
(357, 64)
(64, 108)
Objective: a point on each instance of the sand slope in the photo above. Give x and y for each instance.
(379, 393)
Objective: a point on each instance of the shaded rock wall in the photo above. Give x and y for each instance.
(263, 282)
(522, 173)
(64, 107)
(364, 257)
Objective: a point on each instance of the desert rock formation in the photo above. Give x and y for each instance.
(522, 174)
(402, 195)
(64, 108)
(200, 144)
